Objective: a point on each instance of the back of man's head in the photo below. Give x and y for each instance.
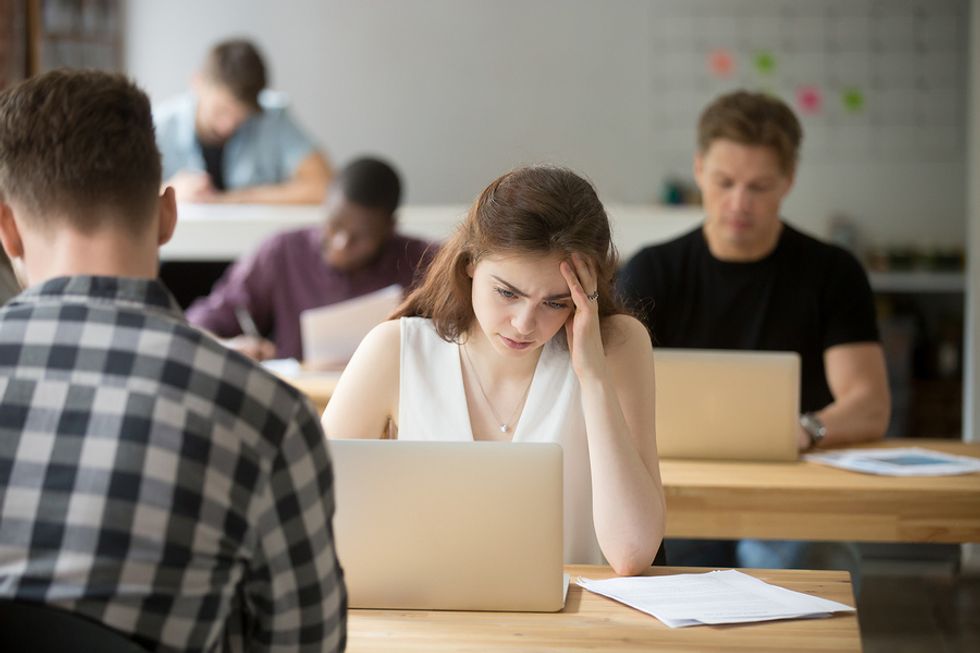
(752, 119)
(79, 146)
(372, 183)
(237, 65)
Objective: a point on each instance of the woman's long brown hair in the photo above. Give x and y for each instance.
(536, 210)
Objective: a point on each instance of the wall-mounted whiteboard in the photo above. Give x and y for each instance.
(457, 91)
(869, 80)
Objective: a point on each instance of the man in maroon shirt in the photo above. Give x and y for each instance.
(354, 253)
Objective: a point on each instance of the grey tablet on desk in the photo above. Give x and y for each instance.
(727, 405)
(449, 525)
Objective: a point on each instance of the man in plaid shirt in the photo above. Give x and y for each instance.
(149, 478)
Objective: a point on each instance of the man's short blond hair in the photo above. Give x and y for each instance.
(752, 119)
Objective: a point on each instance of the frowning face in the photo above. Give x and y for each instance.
(520, 301)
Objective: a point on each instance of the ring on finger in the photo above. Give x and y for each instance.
(593, 296)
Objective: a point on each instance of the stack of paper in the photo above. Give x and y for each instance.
(903, 461)
(715, 597)
(331, 334)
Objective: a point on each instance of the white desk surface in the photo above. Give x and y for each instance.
(224, 232)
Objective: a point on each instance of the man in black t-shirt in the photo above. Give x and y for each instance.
(746, 280)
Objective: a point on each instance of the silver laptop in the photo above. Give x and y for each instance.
(727, 405)
(449, 525)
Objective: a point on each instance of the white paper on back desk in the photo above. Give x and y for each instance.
(904, 461)
(714, 597)
(332, 333)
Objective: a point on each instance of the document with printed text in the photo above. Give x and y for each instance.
(714, 597)
(903, 461)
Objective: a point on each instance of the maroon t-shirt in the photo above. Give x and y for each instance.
(287, 275)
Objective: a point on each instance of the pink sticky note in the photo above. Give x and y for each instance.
(809, 99)
(721, 63)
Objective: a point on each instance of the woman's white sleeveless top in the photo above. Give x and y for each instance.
(432, 406)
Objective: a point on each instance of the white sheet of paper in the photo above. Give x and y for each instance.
(332, 333)
(715, 597)
(282, 366)
(903, 461)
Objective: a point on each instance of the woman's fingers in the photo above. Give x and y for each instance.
(581, 280)
(574, 285)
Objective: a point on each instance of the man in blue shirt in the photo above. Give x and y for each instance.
(231, 140)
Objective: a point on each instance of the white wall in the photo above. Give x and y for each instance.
(970, 559)
(971, 390)
(457, 91)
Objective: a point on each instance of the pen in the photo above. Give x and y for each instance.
(246, 322)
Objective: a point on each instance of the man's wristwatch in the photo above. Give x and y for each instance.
(813, 427)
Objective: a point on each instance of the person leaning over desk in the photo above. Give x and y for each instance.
(354, 252)
(745, 279)
(515, 334)
(230, 140)
(150, 479)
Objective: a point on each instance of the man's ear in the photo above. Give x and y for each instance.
(791, 178)
(698, 167)
(166, 215)
(10, 233)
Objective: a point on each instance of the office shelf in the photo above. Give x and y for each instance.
(917, 281)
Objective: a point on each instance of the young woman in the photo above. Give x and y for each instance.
(515, 334)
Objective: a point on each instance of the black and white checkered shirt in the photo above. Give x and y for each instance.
(158, 482)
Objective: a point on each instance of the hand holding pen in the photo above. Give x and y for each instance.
(251, 343)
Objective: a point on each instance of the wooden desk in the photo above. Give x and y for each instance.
(595, 623)
(801, 500)
(318, 386)
(707, 499)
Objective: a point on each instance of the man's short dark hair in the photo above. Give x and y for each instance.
(752, 119)
(370, 182)
(79, 145)
(237, 65)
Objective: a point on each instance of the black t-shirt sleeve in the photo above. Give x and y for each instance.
(849, 303)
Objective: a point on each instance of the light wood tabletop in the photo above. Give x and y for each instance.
(318, 386)
(799, 500)
(590, 622)
(803, 500)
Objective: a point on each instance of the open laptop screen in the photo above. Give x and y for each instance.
(449, 525)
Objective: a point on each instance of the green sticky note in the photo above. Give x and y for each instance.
(853, 99)
(765, 62)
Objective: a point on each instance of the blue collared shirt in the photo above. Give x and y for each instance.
(266, 149)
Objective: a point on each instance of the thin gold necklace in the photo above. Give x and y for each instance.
(502, 425)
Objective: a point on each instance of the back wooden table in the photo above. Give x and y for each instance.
(591, 622)
(808, 501)
(318, 386)
(800, 500)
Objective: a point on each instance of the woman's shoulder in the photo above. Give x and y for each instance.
(392, 335)
(383, 339)
(624, 335)
(627, 326)
(629, 352)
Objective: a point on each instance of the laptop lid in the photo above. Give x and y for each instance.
(449, 525)
(727, 405)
